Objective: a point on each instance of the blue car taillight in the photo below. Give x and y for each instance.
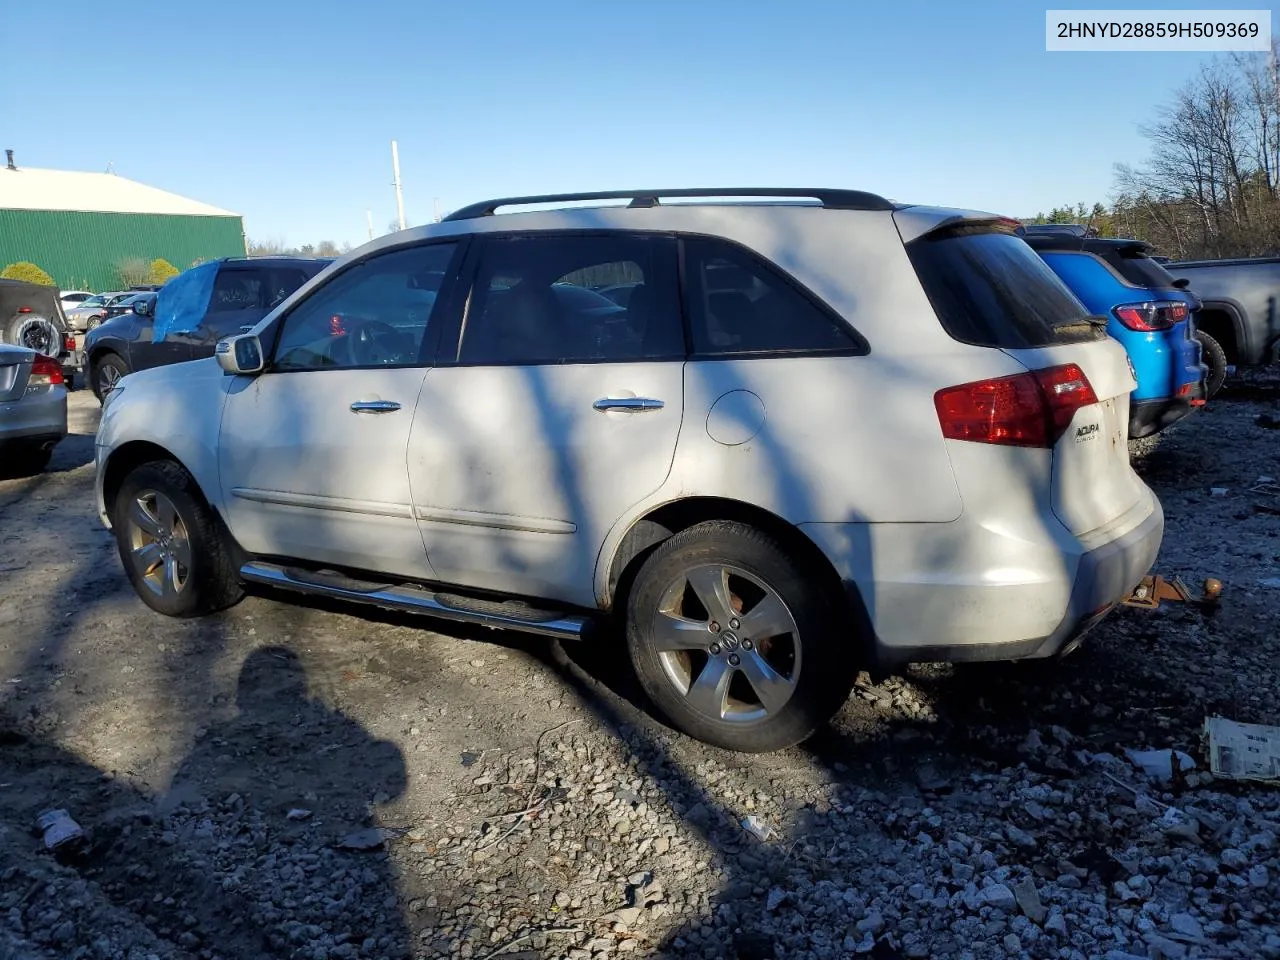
(1152, 315)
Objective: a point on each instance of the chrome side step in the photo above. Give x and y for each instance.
(410, 598)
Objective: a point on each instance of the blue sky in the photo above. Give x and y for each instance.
(284, 111)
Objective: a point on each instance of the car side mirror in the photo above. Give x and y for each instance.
(142, 308)
(240, 355)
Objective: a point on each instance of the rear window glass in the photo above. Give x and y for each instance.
(1139, 269)
(991, 289)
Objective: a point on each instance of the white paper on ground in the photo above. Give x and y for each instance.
(1243, 751)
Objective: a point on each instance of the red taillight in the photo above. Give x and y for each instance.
(1026, 410)
(69, 343)
(45, 372)
(24, 309)
(1066, 389)
(1150, 317)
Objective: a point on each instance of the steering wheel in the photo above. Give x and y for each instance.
(372, 342)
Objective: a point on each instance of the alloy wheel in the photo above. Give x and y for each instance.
(159, 545)
(727, 643)
(108, 377)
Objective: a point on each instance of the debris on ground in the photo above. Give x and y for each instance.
(1159, 764)
(61, 835)
(1243, 751)
(757, 827)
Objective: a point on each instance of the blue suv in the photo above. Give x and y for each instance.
(1146, 309)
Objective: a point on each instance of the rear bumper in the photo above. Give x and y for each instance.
(1151, 416)
(977, 593)
(35, 417)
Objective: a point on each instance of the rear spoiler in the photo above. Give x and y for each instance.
(916, 222)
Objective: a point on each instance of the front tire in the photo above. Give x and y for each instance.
(107, 371)
(1216, 359)
(736, 641)
(171, 543)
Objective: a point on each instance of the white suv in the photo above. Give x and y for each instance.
(821, 434)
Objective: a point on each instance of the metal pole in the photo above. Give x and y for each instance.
(369, 214)
(437, 209)
(395, 170)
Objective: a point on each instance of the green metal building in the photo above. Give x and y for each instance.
(80, 227)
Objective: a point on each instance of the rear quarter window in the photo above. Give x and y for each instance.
(990, 289)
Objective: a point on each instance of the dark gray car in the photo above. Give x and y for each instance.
(241, 293)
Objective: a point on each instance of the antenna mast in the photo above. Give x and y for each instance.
(395, 171)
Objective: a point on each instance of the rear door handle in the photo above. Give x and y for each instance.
(628, 403)
(374, 406)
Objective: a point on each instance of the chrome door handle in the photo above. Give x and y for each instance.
(628, 403)
(374, 406)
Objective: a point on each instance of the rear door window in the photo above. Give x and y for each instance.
(536, 300)
(990, 289)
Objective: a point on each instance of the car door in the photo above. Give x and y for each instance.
(144, 350)
(556, 413)
(312, 451)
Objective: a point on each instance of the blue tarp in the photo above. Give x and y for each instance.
(183, 301)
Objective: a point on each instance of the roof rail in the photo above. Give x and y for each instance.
(831, 199)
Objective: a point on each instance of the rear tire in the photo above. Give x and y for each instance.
(1216, 359)
(175, 550)
(760, 663)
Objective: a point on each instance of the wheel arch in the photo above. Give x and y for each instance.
(659, 523)
(1224, 321)
(126, 457)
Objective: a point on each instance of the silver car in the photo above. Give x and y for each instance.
(88, 314)
(33, 410)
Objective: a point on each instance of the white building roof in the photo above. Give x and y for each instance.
(29, 188)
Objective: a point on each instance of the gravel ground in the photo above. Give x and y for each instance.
(310, 781)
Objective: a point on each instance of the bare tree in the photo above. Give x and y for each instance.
(1210, 185)
(133, 271)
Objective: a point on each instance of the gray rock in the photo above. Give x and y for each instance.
(1121, 891)
(1259, 876)
(1057, 925)
(1233, 859)
(872, 923)
(775, 899)
(1185, 925)
(371, 838)
(999, 896)
(1020, 838)
(1161, 948)
(1028, 898)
